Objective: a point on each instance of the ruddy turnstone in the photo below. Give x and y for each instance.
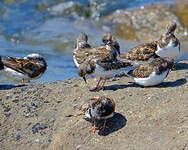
(103, 67)
(167, 46)
(1, 65)
(99, 62)
(81, 47)
(153, 73)
(98, 108)
(107, 37)
(24, 68)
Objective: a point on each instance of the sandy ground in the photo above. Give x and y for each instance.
(37, 116)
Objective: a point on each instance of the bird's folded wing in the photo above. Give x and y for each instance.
(140, 53)
(111, 63)
(82, 55)
(21, 65)
(142, 71)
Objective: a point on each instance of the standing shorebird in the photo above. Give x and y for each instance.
(81, 48)
(99, 62)
(26, 68)
(167, 46)
(153, 73)
(98, 108)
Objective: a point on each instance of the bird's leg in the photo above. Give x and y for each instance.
(101, 86)
(97, 86)
(94, 128)
(104, 125)
(25, 81)
(173, 68)
(103, 83)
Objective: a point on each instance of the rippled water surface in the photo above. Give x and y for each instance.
(50, 27)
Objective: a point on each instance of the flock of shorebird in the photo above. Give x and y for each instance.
(151, 62)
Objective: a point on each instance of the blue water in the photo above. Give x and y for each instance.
(50, 27)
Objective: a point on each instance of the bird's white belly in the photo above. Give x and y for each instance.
(100, 72)
(152, 80)
(172, 52)
(75, 61)
(10, 73)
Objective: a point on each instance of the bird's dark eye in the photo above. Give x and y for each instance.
(29, 58)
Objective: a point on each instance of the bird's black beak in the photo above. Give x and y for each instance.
(179, 47)
(85, 79)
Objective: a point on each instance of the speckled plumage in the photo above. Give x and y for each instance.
(104, 68)
(98, 108)
(142, 52)
(84, 51)
(100, 61)
(81, 50)
(108, 37)
(27, 68)
(166, 46)
(158, 69)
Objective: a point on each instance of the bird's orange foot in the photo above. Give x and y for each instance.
(94, 128)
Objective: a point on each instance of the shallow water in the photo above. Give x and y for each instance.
(50, 28)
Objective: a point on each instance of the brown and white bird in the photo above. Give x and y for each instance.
(167, 46)
(153, 73)
(108, 37)
(26, 68)
(99, 62)
(81, 48)
(98, 108)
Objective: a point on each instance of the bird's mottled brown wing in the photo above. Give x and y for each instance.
(82, 55)
(143, 71)
(141, 53)
(27, 67)
(110, 63)
(103, 106)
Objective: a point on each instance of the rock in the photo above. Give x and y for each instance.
(147, 23)
(15, 100)
(37, 127)
(17, 137)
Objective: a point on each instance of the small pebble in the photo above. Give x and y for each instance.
(37, 127)
(15, 100)
(6, 108)
(18, 137)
